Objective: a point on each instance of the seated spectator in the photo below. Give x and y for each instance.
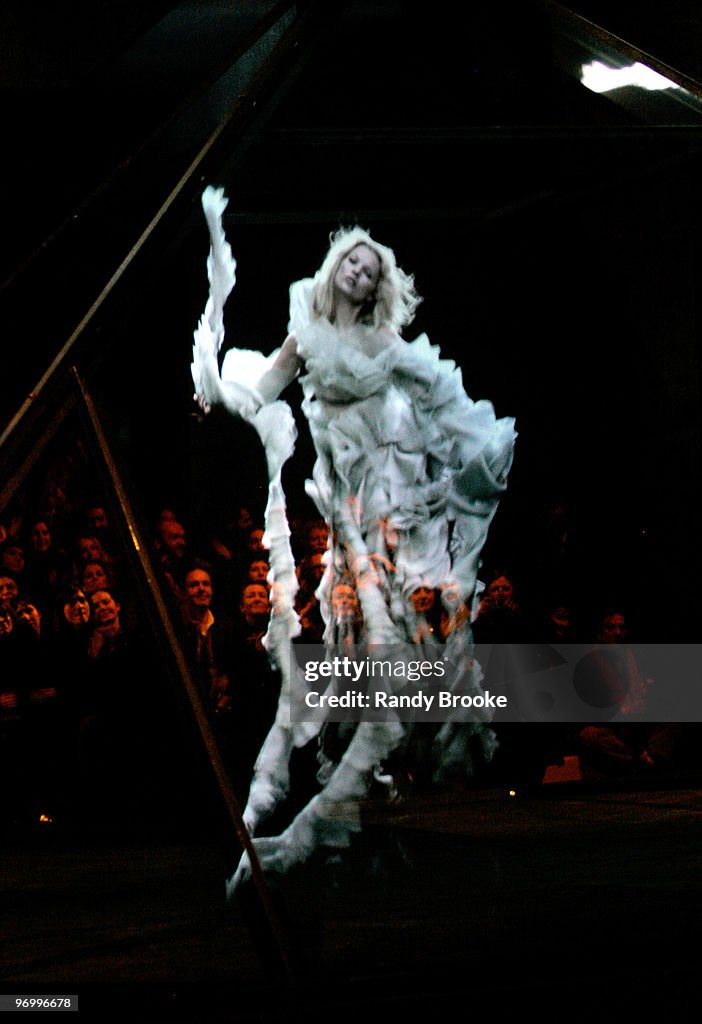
(345, 613)
(612, 681)
(12, 560)
(453, 613)
(558, 624)
(97, 524)
(257, 571)
(258, 681)
(172, 554)
(317, 537)
(500, 617)
(14, 753)
(94, 576)
(29, 615)
(88, 548)
(254, 543)
(9, 591)
(47, 566)
(310, 572)
(214, 654)
(427, 608)
(255, 607)
(118, 714)
(210, 641)
(69, 642)
(46, 722)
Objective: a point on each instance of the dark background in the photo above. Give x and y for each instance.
(553, 232)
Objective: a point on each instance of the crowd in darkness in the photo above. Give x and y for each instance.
(83, 685)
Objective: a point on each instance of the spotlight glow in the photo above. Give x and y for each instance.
(599, 78)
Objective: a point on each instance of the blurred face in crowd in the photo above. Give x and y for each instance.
(94, 577)
(500, 591)
(198, 589)
(104, 609)
(254, 600)
(314, 569)
(344, 601)
(29, 613)
(8, 590)
(96, 518)
(89, 549)
(6, 621)
(255, 542)
(244, 520)
(317, 538)
(560, 620)
(613, 629)
(173, 537)
(77, 610)
(258, 571)
(12, 558)
(40, 537)
(422, 600)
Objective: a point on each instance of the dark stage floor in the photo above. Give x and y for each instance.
(575, 902)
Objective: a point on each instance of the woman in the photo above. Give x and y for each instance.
(407, 478)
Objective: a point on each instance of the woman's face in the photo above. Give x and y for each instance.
(344, 601)
(6, 623)
(13, 558)
(88, 549)
(77, 610)
(358, 274)
(40, 537)
(94, 577)
(9, 591)
(30, 614)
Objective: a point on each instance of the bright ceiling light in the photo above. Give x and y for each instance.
(599, 78)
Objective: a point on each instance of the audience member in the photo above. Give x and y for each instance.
(47, 565)
(210, 642)
(427, 608)
(611, 680)
(310, 573)
(15, 682)
(9, 591)
(45, 715)
(94, 576)
(258, 681)
(214, 653)
(501, 617)
(96, 524)
(172, 553)
(12, 559)
(118, 733)
(317, 537)
(254, 543)
(257, 571)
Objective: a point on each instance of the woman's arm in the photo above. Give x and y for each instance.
(283, 371)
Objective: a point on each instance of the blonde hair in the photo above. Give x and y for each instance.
(394, 301)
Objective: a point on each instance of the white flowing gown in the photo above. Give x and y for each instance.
(408, 475)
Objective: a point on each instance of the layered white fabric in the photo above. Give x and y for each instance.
(408, 475)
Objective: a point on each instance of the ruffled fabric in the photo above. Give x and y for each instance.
(400, 442)
(408, 475)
